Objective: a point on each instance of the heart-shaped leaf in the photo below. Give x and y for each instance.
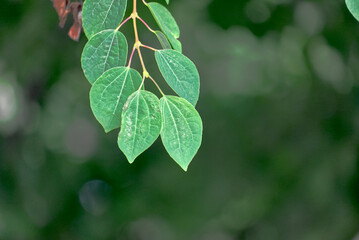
(180, 73)
(105, 50)
(141, 124)
(182, 129)
(110, 92)
(99, 15)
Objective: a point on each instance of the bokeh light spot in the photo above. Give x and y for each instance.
(81, 139)
(257, 11)
(95, 196)
(309, 17)
(8, 102)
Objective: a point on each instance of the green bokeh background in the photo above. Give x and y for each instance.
(280, 106)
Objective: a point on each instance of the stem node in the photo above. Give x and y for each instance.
(138, 44)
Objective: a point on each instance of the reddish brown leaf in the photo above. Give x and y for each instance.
(62, 9)
(75, 30)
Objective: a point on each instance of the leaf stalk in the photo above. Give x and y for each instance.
(137, 46)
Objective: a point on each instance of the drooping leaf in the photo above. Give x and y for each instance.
(167, 23)
(182, 129)
(163, 40)
(353, 6)
(180, 73)
(99, 15)
(62, 9)
(109, 94)
(105, 50)
(176, 44)
(141, 124)
(76, 28)
(164, 19)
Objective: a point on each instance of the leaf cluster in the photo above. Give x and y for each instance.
(118, 96)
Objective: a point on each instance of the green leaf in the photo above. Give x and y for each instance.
(180, 73)
(164, 19)
(105, 50)
(181, 129)
(353, 6)
(176, 44)
(100, 15)
(110, 92)
(167, 23)
(141, 124)
(168, 1)
(163, 40)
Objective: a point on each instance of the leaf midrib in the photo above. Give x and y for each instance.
(174, 122)
(136, 120)
(109, 50)
(179, 81)
(185, 119)
(104, 20)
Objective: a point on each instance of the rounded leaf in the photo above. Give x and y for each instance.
(353, 6)
(109, 94)
(181, 129)
(105, 50)
(99, 15)
(180, 73)
(141, 124)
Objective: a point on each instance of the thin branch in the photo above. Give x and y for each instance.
(144, 23)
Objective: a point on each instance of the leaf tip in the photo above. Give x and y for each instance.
(106, 129)
(130, 160)
(184, 166)
(129, 157)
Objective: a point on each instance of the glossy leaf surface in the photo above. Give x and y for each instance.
(105, 50)
(180, 73)
(99, 15)
(141, 124)
(182, 129)
(109, 94)
(167, 23)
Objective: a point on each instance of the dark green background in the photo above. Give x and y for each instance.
(280, 106)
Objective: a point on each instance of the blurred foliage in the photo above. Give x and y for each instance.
(279, 158)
